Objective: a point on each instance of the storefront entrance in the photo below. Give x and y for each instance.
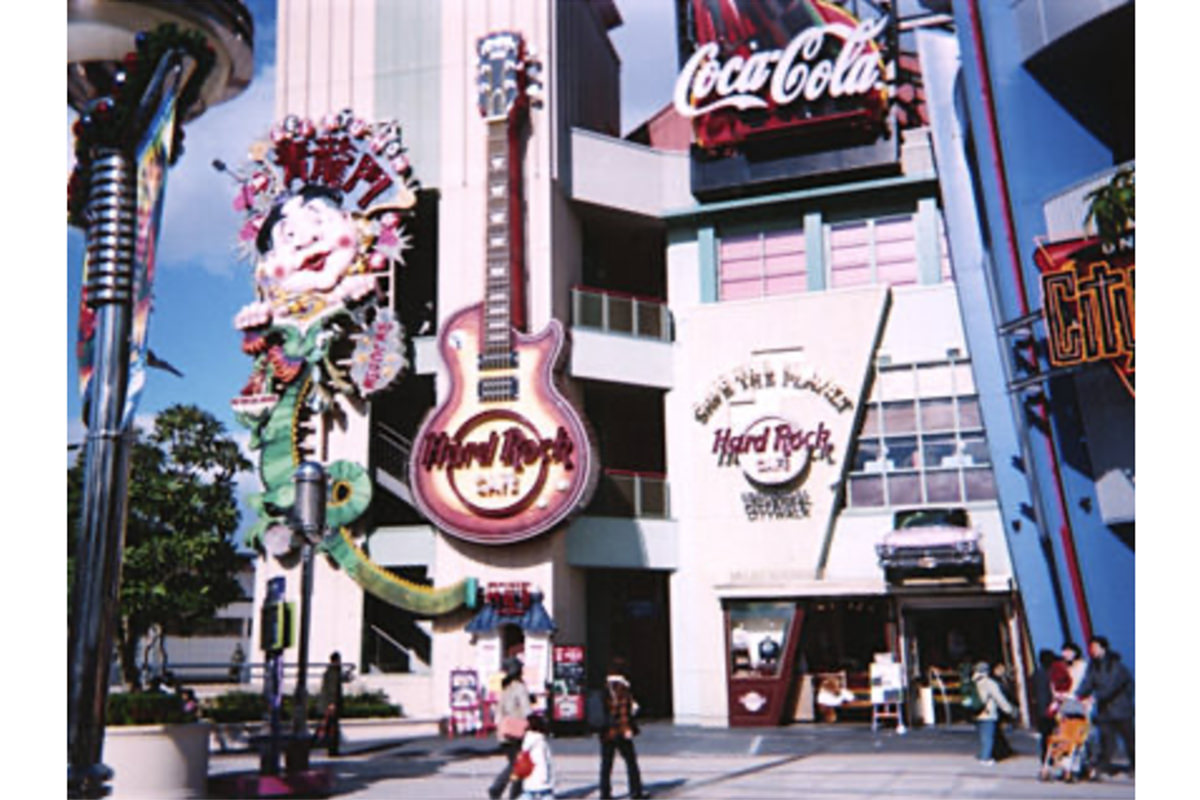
(629, 615)
(932, 637)
(943, 638)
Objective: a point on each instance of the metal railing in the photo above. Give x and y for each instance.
(618, 312)
(393, 451)
(224, 672)
(622, 493)
(412, 663)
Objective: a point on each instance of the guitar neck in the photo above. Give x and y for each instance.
(501, 305)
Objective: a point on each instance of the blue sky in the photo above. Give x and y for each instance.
(201, 283)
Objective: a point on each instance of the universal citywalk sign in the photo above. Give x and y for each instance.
(1088, 303)
(758, 70)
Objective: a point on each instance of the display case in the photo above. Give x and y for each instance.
(761, 638)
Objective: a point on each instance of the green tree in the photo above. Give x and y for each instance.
(180, 563)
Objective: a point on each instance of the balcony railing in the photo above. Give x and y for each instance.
(622, 493)
(393, 450)
(618, 312)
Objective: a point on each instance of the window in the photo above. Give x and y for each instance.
(762, 264)
(872, 251)
(921, 440)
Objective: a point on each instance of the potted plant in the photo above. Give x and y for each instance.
(156, 745)
(1110, 207)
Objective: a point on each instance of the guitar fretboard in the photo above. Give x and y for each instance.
(497, 320)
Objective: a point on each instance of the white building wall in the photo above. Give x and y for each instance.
(325, 57)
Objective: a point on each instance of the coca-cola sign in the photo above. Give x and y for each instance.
(764, 67)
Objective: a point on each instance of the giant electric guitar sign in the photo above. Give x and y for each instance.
(505, 457)
(761, 68)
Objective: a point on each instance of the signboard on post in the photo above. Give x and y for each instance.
(569, 683)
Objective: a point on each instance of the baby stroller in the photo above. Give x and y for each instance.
(1066, 748)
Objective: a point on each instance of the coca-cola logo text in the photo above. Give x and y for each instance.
(787, 75)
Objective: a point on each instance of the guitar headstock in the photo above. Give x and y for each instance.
(507, 76)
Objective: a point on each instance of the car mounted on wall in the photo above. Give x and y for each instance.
(930, 542)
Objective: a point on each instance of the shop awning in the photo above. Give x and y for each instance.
(534, 619)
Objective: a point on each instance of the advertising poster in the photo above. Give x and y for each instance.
(569, 683)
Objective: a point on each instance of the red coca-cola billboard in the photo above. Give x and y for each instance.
(762, 68)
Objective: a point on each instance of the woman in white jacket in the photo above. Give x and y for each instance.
(540, 782)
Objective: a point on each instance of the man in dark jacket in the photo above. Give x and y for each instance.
(617, 735)
(330, 703)
(1109, 682)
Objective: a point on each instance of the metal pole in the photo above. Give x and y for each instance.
(310, 523)
(110, 235)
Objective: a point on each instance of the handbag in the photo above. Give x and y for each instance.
(512, 727)
(522, 765)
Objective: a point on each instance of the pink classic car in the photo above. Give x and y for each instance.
(930, 542)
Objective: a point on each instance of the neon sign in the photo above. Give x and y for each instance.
(1088, 303)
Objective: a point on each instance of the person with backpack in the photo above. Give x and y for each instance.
(617, 729)
(990, 701)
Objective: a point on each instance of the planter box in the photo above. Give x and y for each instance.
(158, 762)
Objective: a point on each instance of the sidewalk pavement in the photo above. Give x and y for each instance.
(816, 762)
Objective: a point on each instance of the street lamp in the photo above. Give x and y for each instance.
(309, 522)
(188, 56)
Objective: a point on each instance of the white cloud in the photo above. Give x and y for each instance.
(204, 226)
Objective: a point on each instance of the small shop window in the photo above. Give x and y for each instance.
(904, 489)
(940, 450)
(868, 456)
(901, 452)
(969, 416)
(866, 491)
(900, 417)
(757, 638)
(937, 414)
(942, 486)
(980, 484)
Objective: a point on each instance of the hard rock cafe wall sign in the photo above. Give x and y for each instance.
(775, 454)
(1088, 303)
(326, 205)
(762, 68)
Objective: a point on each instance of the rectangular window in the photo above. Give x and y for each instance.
(921, 439)
(873, 251)
(762, 264)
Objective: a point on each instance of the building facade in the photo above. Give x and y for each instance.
(1042, 118)
(795, 479)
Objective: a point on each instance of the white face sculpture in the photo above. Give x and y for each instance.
(312, 246)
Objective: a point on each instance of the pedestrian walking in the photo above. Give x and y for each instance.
(237, 661)
(512, 722)
(329, 730)
(992, 702)
(1001, 748)
(534, 765)
(1110, 685)
(617, 735)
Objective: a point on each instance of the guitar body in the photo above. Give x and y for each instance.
(505, 457)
